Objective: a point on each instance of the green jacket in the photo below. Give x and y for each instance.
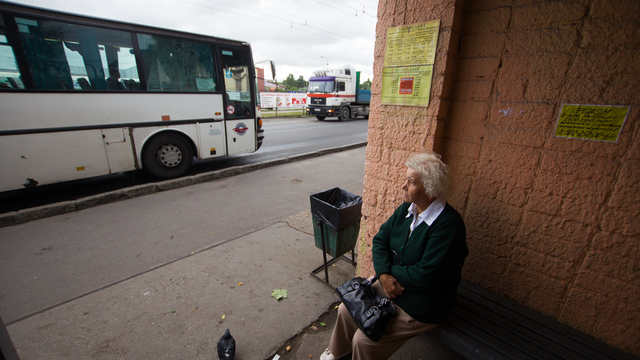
(429, 262)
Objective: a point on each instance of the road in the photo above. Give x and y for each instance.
(48, 262)
(283, 138)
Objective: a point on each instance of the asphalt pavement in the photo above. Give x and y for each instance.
(178, 309)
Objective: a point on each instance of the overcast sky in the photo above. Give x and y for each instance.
(299, 35)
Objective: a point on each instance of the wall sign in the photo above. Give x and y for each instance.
(408, 64)
(591, 122)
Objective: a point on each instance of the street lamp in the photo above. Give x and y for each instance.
(326, 58)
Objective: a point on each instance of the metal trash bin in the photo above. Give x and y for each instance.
(336, 223)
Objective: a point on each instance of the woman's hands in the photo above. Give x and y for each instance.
(391, 286)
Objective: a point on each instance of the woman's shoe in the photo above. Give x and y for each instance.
(327, 355)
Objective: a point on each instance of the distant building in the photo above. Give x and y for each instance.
(269, 86)
(260, 76)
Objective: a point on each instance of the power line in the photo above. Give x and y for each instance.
(258, 18)
(351, 7)
(306, 22)
(344, 11)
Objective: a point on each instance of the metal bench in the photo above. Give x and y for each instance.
(485, 325)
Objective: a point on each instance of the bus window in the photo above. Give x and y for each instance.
(121, 64)
(44, 51)
(177, 64)
(235, 64)
(68, 56)
(10, 77)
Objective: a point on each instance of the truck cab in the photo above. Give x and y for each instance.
(335, 93)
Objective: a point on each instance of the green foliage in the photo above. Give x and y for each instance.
(366, 85)
(302, 83)
(291, 84)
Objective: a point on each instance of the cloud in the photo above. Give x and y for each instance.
(293, 33)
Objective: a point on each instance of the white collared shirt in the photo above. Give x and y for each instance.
(429, 215)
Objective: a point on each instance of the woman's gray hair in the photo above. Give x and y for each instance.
(433, 173)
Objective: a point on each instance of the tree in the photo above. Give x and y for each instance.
(302, 83)
(290, 83)
(366, 85)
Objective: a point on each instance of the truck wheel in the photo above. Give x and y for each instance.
(167, 156)
(344, 114)
(321, 117)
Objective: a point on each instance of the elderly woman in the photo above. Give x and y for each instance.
(418, 256)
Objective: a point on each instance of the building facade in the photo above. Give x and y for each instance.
(552, 222)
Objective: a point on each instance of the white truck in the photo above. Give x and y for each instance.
(336, 93)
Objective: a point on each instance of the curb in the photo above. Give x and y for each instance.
(41, 212)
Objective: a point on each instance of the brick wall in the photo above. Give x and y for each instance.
(553, 223)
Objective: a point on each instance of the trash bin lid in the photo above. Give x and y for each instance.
(337, 207)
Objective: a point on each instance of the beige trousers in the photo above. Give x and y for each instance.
(347, 338)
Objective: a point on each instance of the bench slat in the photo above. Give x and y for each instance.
(487, 326)
(464, 344)
(476, 328)
(513, 333)
(546, 327)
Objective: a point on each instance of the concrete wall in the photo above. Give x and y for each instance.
(552, 223)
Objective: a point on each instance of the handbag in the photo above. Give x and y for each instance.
(369, 310)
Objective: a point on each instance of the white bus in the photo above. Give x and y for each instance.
(83, 97)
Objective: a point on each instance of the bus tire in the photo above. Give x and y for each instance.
(167, 156)
(345, 113)
(321, 117)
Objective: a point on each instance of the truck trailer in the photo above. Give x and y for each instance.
(336, 93)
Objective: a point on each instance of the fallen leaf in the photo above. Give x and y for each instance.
(310, 356)
(280, 294)
(314, 328)
(288, 348)
(224, 317)
(240, 284)
(323, 324)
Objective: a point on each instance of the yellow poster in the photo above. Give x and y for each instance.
(408, 64)
(406, 85)
(591, 122)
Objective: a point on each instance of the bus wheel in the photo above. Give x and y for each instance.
(167, 156)
(321, 117)
(344, 113)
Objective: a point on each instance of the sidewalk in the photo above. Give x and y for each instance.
(179, 310)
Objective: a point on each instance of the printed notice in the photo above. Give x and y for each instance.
(408, 64)
(591, 122)
(410, 85)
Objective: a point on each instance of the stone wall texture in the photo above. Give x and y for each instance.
(552, 223)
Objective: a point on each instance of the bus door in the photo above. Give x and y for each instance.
(239, 109)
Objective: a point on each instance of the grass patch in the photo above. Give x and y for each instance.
(282, 113)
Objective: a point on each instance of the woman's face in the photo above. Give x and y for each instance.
(413, 188)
